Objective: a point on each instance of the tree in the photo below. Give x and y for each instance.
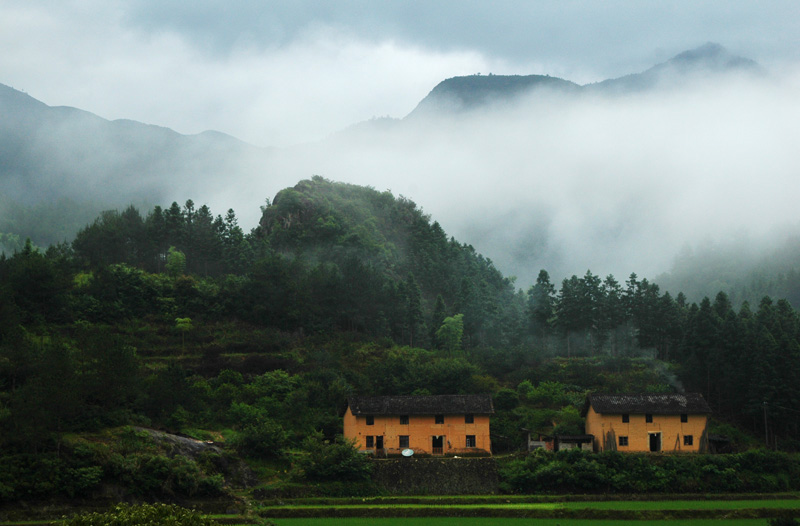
(175, 224)
(541, 307)
(338, 460)
(437, 318)
(450, 333)
(176, 262)
(413, 314)
(570, 310)
(612, 311)
(184, 325)
(207, 246)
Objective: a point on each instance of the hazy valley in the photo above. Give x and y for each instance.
(535, 172)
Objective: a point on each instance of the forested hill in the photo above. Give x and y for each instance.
(326, 256)
(383, 267)
(179, 320)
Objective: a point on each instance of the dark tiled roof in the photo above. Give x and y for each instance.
(658, 404)
(421, 405)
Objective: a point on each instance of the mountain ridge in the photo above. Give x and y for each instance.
(465, 93)
(52, 153)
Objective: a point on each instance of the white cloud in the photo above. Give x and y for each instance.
(83, 55)
(614, 185)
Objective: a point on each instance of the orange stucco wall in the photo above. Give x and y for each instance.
(420, 431)
(638, 431)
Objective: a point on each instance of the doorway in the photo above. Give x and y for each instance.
(655, 442)
(437, 445)
(379, 442)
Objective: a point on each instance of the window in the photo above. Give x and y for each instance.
(370, 420)
(469, 419)
(438, 419)
(370, 442)
(684, 418)
(688, 440)
(403, 420)
(403, 441)
(648, 418)
(623, 441)
(470, 440)
(626, 418)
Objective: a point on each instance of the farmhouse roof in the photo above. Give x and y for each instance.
(658, 404)
(421, 405)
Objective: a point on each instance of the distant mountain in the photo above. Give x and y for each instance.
(707, 60)
(72, 164)
(50, 152)
(67, 155)
(466, 93)
(459, 94)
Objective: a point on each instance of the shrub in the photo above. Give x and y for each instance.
(148, 474)
(569, 471)
(264, 439)
(126, 515)
(338, 460)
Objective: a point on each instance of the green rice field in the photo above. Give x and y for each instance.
(480, 521)
(595, 505)
(512, 512)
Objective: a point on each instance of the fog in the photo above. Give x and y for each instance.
(611, 184)
(567, 183)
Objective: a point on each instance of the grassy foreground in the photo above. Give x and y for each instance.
(512, 511)
(479, 521)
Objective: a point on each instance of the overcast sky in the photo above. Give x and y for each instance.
(279, 73)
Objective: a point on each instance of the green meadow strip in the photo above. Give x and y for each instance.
(467, 521)
(686, 505)
(608, 505)
(510, 499)
(529, 513)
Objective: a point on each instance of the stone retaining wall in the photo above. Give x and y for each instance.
(437, 476)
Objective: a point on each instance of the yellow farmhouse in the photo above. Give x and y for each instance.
(648, 422)
(437, 425)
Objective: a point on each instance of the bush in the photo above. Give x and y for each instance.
(338, 460)
(148, 474)
(125, 515)
(264, 439)
(28, 476)
(571, 471)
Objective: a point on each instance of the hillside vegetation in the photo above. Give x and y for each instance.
(178, 320)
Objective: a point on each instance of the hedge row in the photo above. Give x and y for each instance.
(759, 471)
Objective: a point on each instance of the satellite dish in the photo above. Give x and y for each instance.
(407, 452)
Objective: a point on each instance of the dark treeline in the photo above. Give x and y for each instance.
(746, 270)
(179, 316)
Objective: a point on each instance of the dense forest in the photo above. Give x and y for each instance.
(181, 321)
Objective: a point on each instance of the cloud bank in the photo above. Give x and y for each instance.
(612, 184)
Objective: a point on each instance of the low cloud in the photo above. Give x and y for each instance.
(612, 184)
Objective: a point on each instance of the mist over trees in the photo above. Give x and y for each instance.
(330, 261)
(536, 171)
(183, 319)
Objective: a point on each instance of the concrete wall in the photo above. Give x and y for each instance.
(420, 430)
(437, 476)
(607, 428)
